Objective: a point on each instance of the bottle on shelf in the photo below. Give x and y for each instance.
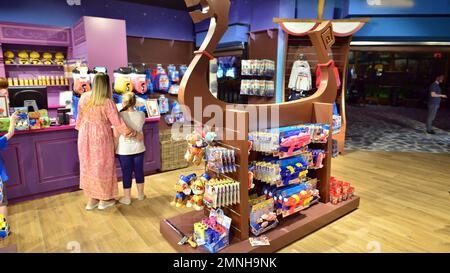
(35, 82)
(47, 80)
(57, 81)
(15, 82)
(10, 82)
(52, 80)
(26, 82)
(66, 81)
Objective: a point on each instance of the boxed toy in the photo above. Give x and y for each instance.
(213, 233)
(263, 217)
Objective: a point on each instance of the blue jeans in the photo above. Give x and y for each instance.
(432, 111)
(75, 106)
(132, 164)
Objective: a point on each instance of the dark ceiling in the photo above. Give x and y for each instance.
(171, 4)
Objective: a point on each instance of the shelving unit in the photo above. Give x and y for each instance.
(314, 109)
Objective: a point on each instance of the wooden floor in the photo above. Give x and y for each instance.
(405, 207)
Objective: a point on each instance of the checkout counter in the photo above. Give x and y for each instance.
(44, 162)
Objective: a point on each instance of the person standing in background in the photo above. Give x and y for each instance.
(434, 101)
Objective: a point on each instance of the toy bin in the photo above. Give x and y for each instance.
(172, 152)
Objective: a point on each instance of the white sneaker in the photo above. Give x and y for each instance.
(142, 197)
(91, 206)
(125, 201)
(102, 205)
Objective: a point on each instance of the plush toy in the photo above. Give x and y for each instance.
(198, 189)
(59, 58)
(194, 151)
(183, 188)
(23, 57)
(47, 58)
(9, 57)
(210, 138)
(34, 119)
(35, 57)
(4, 227)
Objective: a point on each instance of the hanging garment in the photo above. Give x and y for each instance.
(300, 78)
(319, 73)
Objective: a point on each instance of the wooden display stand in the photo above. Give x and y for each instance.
(297, 42)
(314, 109)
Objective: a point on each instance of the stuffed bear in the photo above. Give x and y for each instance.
(9, 57)
(194, 151)
(59, 58)
(47, 58)
(35, 57)
(23, 57)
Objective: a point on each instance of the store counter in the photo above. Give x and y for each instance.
(45, 162)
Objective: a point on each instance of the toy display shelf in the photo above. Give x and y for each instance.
(34, 65)
(317, 108)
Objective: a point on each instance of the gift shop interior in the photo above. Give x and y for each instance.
(256, 126)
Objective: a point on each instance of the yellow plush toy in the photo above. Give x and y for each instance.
(35, 57)
(47, 58)
(9, 57)
(59, 58)
(23, 57)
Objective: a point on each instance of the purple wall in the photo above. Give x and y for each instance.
(142, 20)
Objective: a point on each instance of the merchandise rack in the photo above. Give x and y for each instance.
(314, 109)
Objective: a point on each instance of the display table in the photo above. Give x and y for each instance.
(45, 162)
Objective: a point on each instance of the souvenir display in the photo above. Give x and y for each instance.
(139, 81)
(122, 80)
(221, 192)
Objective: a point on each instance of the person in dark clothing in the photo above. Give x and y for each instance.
(434, 101)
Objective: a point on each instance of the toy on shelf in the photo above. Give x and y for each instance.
(163, 104)
(221, 192)
(198, 191)
(210, 138)
(9, 57)
(35, 57)
(23, 57)
(183, 189)
(263, 217)
(149, 80)
(59, 58)
(47, 58)
(34, 120)
(194, 152)
(213, 233)
(122, 80)
(340, 191)
(221, 160)
(22, 121)
(82, 80)
(161, 80)
(4, 227)
(139, 82)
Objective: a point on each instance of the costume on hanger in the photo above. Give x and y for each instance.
(300, 79)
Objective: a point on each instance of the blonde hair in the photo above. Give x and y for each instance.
(130, 101)
(101, 90)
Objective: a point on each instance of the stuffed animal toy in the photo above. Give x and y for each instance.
(59, 58)
(23, 57)
(9, 57)
(210, 138)
(4, 227)
(198, 190)
(183, 189)
(35, 57)
(122, 80)
(194, 151)
(47, 58)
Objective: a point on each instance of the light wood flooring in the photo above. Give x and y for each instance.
(405, 207)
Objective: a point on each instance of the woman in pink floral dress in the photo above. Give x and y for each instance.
(97, 113)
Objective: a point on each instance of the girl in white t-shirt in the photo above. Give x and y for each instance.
(130, 150)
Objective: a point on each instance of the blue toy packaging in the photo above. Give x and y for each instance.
(213, 233)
